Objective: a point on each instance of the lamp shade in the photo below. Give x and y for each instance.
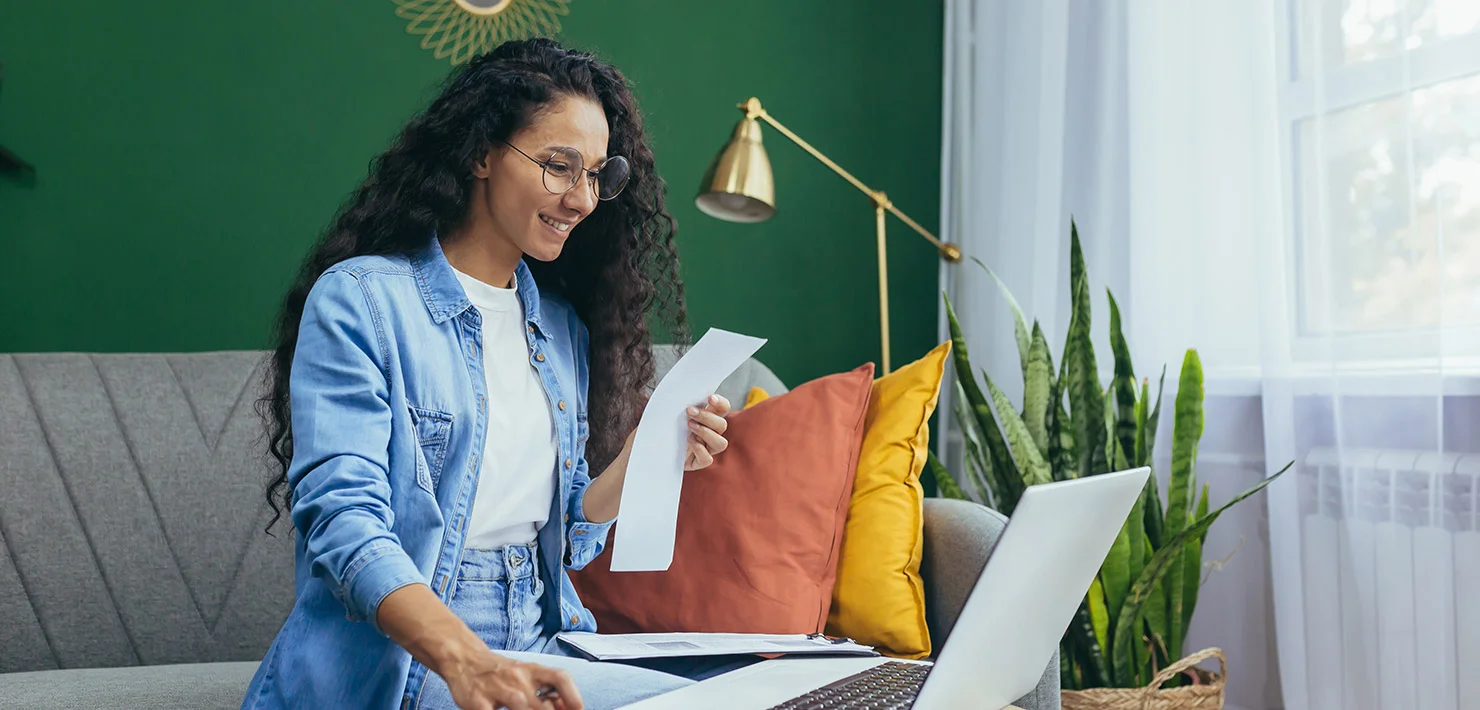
(738, 187)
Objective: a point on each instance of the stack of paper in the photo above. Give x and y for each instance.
(625, 647)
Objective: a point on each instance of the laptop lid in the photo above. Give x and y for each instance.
(1029, 591)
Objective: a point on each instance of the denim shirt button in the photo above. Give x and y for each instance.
(567, 463)
(561, 405)
(539, 357)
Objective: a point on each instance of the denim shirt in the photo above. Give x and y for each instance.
(390, 411)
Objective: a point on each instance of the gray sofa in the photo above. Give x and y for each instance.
(134, 571)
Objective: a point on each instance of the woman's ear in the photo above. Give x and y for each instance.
(483, 166)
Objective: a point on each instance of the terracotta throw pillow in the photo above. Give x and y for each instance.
(759, 531)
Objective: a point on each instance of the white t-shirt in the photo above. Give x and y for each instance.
(516, 482)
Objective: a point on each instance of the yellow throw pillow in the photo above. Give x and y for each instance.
(879, 599)
(755, 396)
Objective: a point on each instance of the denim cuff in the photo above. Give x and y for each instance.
(584, 539)
(379, 569)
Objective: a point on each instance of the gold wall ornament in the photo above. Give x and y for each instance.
(460, 29)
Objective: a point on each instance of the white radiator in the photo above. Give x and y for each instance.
(1391, 561)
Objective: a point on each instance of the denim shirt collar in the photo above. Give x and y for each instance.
(445, 297)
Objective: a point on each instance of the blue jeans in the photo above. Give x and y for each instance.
(498, 594)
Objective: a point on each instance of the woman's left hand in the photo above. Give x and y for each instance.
(706, 433)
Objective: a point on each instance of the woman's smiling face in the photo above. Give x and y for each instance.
(521, 208)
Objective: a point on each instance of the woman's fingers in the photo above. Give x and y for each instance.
(698, 456)
(512, 700)
(708, 438)
(707, 418)
(518, 686)
(707, 426)
(565, 692)
(718, 404)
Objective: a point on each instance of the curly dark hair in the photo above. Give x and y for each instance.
(618, 264)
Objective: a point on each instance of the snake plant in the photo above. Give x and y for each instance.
(1134, 617)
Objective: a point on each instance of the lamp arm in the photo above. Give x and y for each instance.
(753, 109)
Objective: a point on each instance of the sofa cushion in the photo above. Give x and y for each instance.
(759, 531)
(190, 686)
(131, 527)
(880, 598)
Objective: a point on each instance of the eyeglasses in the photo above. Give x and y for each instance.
(565, 166)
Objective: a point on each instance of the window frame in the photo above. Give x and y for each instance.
(1303, 98)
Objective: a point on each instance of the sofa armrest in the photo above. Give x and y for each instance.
(959, 537)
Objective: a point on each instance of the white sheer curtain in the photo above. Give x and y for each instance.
(1293, 188)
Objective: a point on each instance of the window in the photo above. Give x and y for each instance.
(1382, 111)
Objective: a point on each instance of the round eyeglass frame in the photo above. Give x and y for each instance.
(593, 176)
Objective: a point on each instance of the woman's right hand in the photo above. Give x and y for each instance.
(489, 681)
(479, 679)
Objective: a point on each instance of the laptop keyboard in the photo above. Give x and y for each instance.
(889, 686)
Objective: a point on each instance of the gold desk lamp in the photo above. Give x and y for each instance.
(739, 187)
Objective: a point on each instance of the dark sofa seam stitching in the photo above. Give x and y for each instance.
(21, 577)
(77, 515)
(144, 483)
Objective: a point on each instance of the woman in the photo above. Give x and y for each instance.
(465, 346)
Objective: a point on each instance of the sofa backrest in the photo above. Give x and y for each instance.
(132, 509)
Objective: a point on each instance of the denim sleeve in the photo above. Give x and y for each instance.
(584, 539)
(341, 438)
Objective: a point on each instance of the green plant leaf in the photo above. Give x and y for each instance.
(978, 465)
(1115, 572)
(1062, 456)
(1003, 468)
(1124, 382)
(1136, 527)
(1192, 566)
(1136, 562)
(1186, 432)
(1202, 508)
(1096, 673)
(1051, 428)
(1122, 564)
(944, 481)
(1025, 452)
(1019, 325)
(1110, 441)
(1139, 453)
(1086, 397)
(1037, 388)
(1119, 458)
(1151, 656)
(1156, 569)
(1099, 615)
(1154, 419)
(1155, 516)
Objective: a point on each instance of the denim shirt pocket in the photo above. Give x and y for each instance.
(433, 430)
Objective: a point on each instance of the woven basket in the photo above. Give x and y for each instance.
(1206, 695)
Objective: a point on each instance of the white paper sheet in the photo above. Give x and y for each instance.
(649, 510)
(622, 647)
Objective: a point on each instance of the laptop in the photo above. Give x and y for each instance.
(1024, 600)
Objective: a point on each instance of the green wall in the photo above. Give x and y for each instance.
(189, 152)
